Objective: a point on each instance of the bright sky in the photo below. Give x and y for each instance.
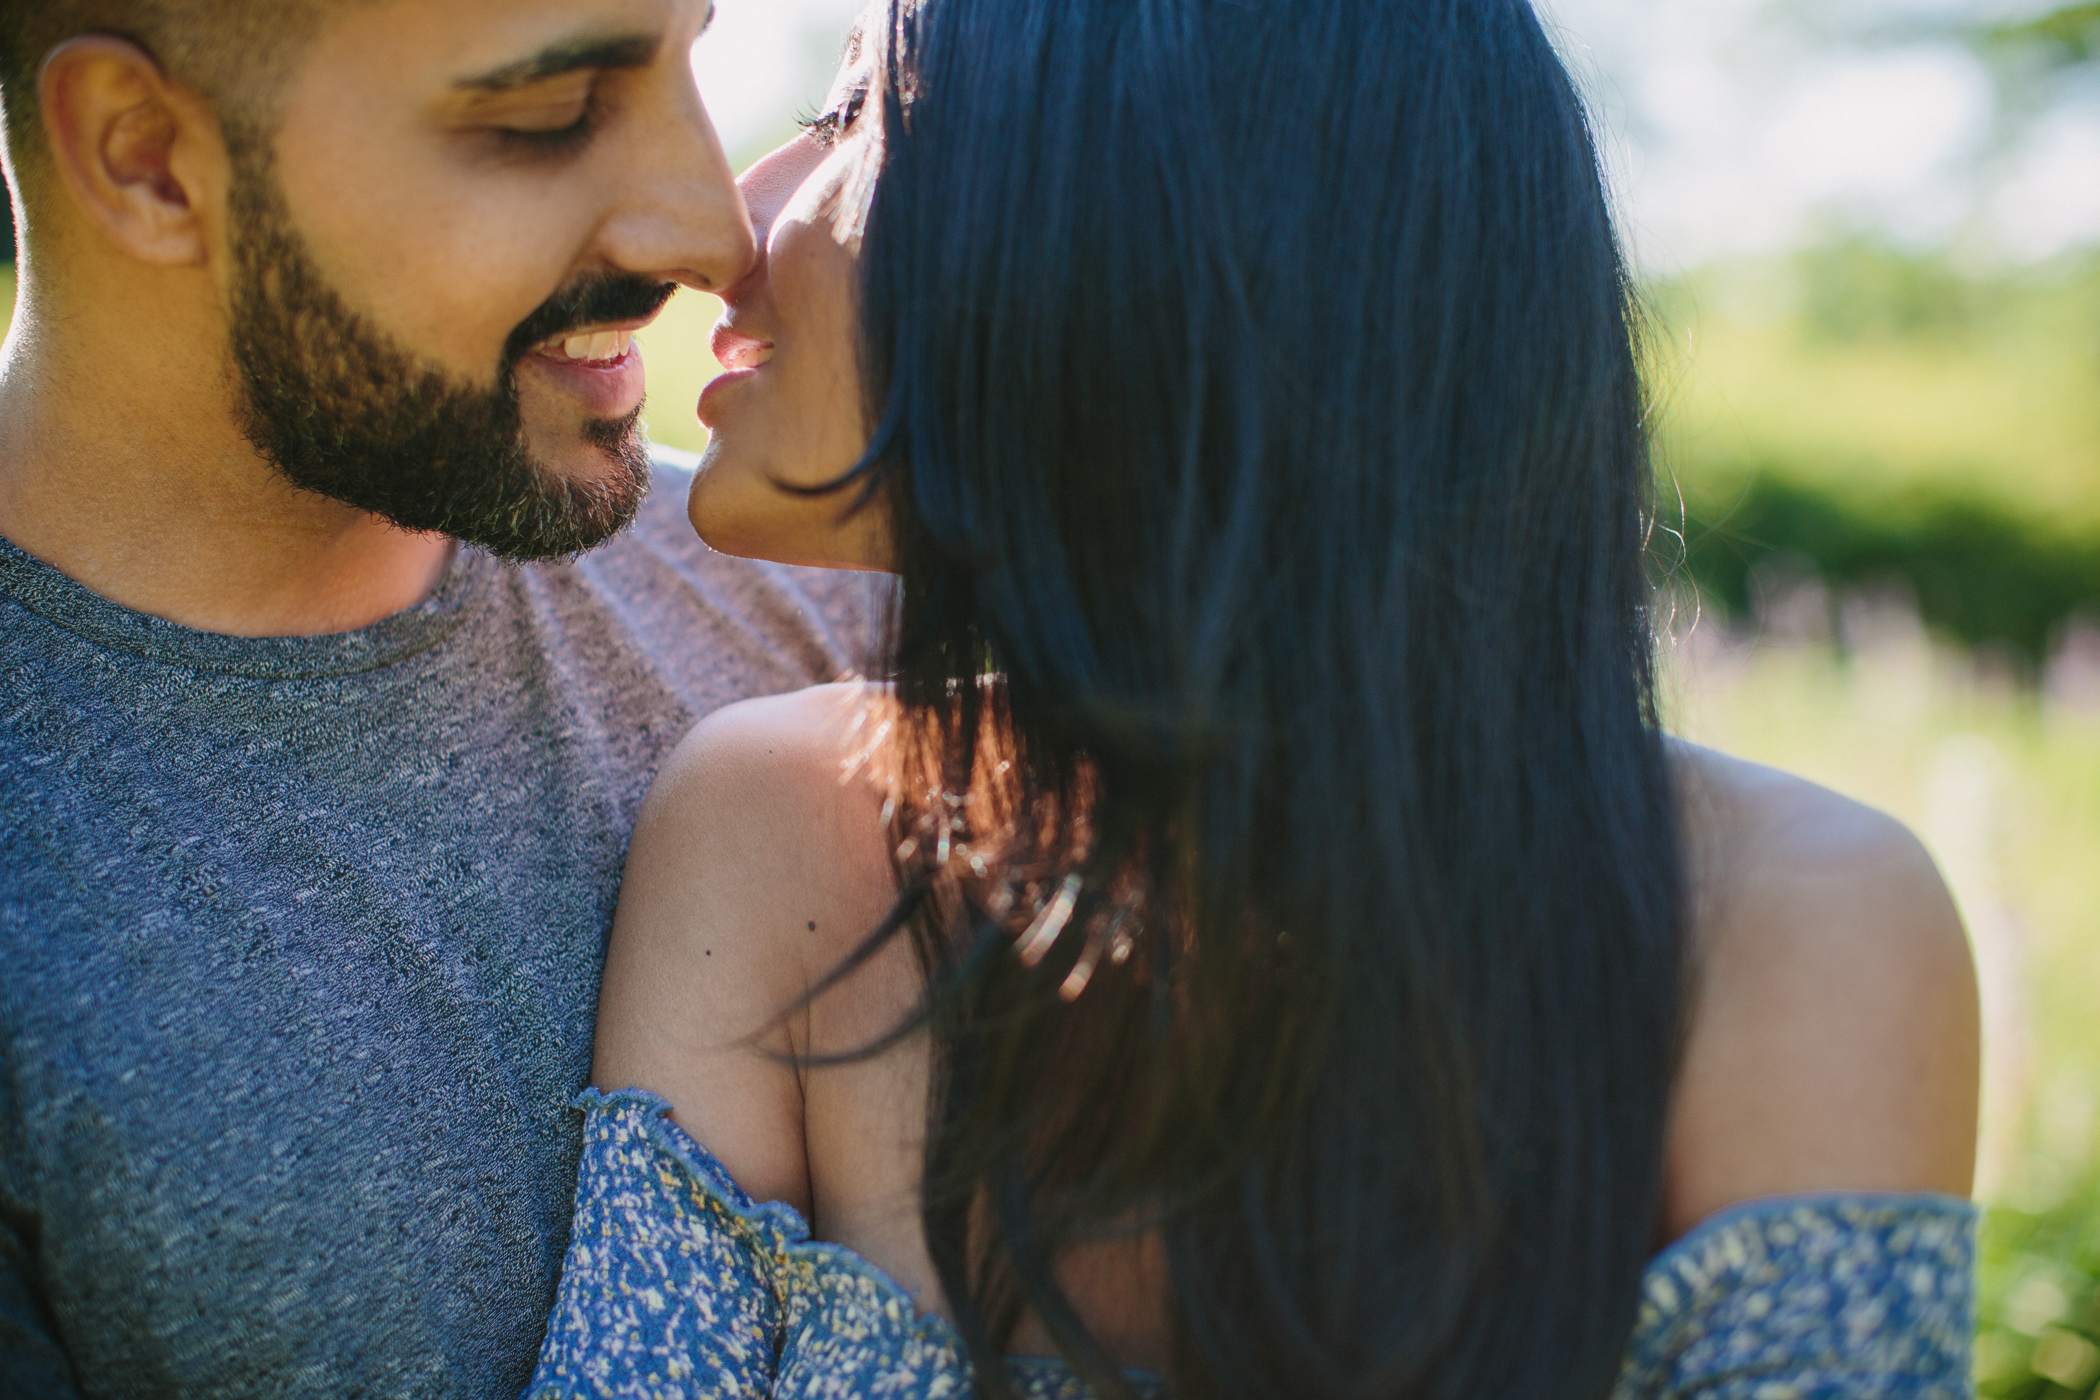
(1731, 130)
(764, 61)
(1735, 126)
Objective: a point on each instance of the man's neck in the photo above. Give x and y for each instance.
(122, 466)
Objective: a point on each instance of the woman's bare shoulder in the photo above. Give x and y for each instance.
(1832, 1040)
(757, 853)
(775, 749)
(766, 820)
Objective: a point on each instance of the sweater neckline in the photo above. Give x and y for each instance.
(65, 603)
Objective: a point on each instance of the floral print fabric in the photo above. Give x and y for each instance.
(677, 1284)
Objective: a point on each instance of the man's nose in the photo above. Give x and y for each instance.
(681, 215)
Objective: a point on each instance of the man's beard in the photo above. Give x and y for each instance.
(343, 409)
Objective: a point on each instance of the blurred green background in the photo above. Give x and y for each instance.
(1881, 525)
(1876, 407)
(675, 350)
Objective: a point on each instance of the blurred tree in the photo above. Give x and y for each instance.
(1860, 288)
(2038, 1333)
(2063, 37)
(1980, 573)
(2036, 62)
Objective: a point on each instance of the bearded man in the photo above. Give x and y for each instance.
(321, 735)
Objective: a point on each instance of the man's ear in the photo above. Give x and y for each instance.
(141, 155)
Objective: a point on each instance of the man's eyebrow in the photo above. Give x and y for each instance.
(569, 56)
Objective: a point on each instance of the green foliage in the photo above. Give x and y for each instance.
(1982, 575)
(675, 349)
(2038, 1333)
(2067, 35)
(1854, 290)
(1873, 415)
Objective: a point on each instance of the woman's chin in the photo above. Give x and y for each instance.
(736, 509)
(726, 532)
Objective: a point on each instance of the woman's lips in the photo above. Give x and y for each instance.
(734, 349)
(741, 356)
(710, 408)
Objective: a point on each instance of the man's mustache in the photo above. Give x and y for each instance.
(589, 300)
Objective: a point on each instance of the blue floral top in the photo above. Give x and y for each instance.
(677, 1284)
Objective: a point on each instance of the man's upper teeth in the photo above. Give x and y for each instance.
(598, 345)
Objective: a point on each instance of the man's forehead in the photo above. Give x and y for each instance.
(496, 45)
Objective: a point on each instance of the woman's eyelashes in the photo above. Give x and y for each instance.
(830, 126)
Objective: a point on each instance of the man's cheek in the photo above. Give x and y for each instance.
(546, 420)
(462, 325)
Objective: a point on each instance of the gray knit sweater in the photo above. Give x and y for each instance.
(299, 954)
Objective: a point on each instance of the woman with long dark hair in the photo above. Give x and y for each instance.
(1260, 942)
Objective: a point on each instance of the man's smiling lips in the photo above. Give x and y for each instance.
(588, 347)
(598, 365)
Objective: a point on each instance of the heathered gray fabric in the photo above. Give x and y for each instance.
(299, 954)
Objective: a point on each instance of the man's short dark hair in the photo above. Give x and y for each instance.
(235, 52)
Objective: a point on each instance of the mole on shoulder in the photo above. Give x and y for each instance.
(812, 925)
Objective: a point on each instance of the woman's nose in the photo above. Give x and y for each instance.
(771, 182)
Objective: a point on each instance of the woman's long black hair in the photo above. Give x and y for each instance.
(1255, 391)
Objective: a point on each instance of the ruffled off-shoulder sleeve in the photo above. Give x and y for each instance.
(677, 1285)
(671, 1282)
(1811, 1298)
